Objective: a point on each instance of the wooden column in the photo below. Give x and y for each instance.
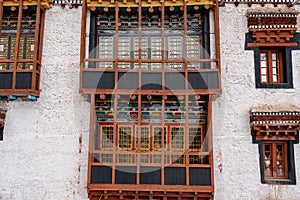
(91, 137)
(82, 43)
(36, 44)
(18, 36)
(1, 15)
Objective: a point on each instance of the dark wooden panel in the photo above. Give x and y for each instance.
(150, 175)
(125, 175)
(203, 80)
(175, 176)
(6, 80)
(175, 81)
(200, 176)
(101, 80)
(101, 175)
(128, 80)
(151, 81)
(24, 80)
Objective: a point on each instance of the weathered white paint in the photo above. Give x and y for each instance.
(237, 174)
(40, 159)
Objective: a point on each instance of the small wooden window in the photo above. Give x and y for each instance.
(275, 160)
(271, 67)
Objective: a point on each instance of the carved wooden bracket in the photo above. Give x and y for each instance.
(281, 125)
(272, 27)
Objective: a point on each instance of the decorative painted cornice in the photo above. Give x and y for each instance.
(275, 123)
(272, 27)
(46, 4)
(289, 3)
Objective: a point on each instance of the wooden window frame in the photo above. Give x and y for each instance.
(269, 66)
(271, 165)
(30, 89)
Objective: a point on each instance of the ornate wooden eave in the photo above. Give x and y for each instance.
(46, 4)
(152, 192)
(275, 124)
(145, 3)
(272, 27)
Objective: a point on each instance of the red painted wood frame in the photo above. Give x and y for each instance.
(37, 58)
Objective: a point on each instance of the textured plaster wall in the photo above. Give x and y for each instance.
(44, 155)
(237, 174)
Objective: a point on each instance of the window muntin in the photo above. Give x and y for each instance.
(8, 42)
(157, 136)
(271, 66)
(275, 159)
(151, 42)
(125, 137)
(21, 39)
(107, 137)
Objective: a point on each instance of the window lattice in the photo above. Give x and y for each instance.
(106, 45)
(106, 158)
(144, 138)
(144, 48)
(125, 138)
(195, 139)
(177, 138)
(124, 47)
(107, 137)
(175, 47)
(156, 47)
(157, 137)
(193, 47)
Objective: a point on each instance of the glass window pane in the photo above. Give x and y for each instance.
(263, 79)
(274, 64)
(275, 78)
(263, 56)
(124, 47)
(279, 160)
(156, 47)
(106, 47)
(263, 63)
(274, 71)
(274, 56)
(175, 47)
(268, 160)
(263, 71)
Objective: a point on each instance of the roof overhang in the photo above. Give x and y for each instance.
(46, 4)
(281, 122)
(146, 3)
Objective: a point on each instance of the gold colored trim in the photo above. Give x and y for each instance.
(146, 3)
(46, 4)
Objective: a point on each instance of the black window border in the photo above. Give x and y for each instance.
(287, 63)
(291, 162)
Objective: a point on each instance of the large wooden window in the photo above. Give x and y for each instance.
(156, 134)
(150, 73)
(271, 66)
(21, 39)
(152, 45)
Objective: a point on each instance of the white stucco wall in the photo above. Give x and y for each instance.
(40, 156)
(237, 174)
